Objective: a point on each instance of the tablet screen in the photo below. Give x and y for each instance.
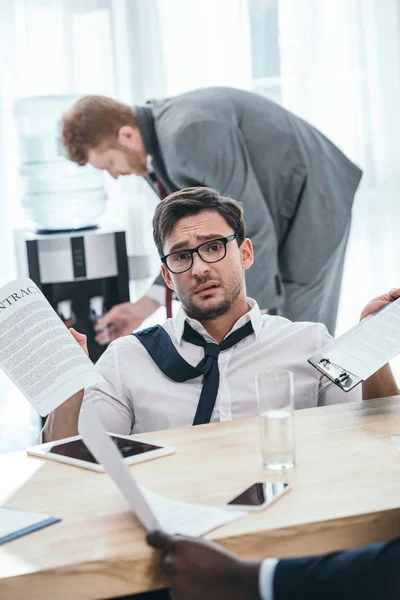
(77, 449)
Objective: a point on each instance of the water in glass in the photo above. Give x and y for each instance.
(277, 439)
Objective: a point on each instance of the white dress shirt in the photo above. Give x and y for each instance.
(157, 293)
(137, 397)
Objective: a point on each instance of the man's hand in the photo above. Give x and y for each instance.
(199, 570)
(123, 318)
(80, 338)
(379, 302)
(382, 383)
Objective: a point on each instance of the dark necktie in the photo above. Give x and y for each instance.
(156, 184)
(161, 349)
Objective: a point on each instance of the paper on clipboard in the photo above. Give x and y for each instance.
(363, 350)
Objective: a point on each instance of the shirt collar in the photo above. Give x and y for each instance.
(253, 315)
(147, 126)
(145, 122)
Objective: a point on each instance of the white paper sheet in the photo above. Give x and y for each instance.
(367, 346)
(188, 519)
(154, 511)
(105, 451)
(37, 352)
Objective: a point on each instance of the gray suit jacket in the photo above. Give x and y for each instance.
(296, 187)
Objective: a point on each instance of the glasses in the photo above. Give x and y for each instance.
(211, 252)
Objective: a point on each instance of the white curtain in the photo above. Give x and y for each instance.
(9, 190)
(130, 49)
(17, 421)
(47, 47)
(205, 44)
(340, 70)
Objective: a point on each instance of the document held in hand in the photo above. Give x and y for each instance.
(152, 510)
(37, 351)
(363, 350)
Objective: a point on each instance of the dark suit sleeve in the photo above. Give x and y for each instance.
(214, 154)
(368, 573)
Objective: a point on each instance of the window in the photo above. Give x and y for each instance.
(264, 25)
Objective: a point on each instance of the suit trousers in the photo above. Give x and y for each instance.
(317, 301)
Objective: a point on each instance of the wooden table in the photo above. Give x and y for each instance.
(346, 492)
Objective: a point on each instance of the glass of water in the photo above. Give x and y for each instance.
(275, 397)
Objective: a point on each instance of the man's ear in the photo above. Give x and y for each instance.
(125, 135)
(167, 277)
(247, 254)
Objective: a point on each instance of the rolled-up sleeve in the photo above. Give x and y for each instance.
(157, 292)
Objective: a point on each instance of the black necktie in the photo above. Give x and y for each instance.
(161, 349)
(156, 184)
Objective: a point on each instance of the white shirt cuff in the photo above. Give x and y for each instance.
(266, 578)
(157, 292)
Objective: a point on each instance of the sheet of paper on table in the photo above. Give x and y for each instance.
(152, 510)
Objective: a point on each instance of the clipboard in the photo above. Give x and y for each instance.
(337, 374)
(363, 350)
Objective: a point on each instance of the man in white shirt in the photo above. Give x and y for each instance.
(204, 253)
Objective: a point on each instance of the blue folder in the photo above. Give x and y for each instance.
(14, 523)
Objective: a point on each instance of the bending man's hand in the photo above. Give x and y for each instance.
(200, 570)
(379, 302)
(124, 318)
(382, 383)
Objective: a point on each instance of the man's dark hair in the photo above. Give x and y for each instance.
(191, 201)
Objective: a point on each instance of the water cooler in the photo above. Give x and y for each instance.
(81, 268)
(82, 274)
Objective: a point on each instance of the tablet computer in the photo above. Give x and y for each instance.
(73, 451)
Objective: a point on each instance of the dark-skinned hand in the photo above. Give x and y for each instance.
(200, 570)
